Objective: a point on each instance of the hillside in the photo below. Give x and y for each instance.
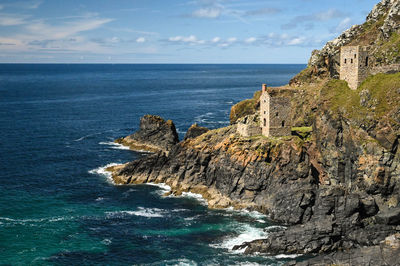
(337, 188)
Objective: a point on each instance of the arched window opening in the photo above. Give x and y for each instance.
(345, 60)
(283, 123)
(351, 61)
(355, 56)
(265, 122)
(366, 61)
(276, 114)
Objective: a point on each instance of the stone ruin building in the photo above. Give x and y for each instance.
(274, 117)
(274, 114)
(354, 65)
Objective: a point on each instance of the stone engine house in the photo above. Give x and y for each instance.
(274, 114)
(354, 63)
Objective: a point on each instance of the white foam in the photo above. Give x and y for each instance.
(196, 196)
(178, 262)
(144, 212)
(249, 233)
(114, 145)
(163, 186)
(37, 220)
(102, 171)
(254, 214)
(287, 256)
(106, 241)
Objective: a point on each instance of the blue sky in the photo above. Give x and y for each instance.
(172, 31)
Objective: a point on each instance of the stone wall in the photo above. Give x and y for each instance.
(248, 130)
(363, 64)
(264, 112)
(385, 69)
(279, 117)
(349, 65)
(249, 126)
(354, 65)
(275, 117)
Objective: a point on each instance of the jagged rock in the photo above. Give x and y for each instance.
(155, 134)
(386, 253)
(392, 21)
(195, 131)
(336, 190)
(390, 216)
(327, 59)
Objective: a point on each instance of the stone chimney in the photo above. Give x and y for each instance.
(264, 88)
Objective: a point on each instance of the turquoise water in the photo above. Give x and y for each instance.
(57, 205)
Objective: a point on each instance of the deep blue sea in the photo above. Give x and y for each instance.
(59, 207)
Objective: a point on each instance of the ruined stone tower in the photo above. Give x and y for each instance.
(274, 114)
(354, 65)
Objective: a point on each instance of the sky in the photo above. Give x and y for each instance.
(172, 31)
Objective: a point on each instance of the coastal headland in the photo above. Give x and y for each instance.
(334, 182)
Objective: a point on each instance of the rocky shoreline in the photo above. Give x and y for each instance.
(335, 182)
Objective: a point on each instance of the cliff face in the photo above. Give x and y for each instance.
(155, 134)
(228, 170)
(381, 32)
(337, 189)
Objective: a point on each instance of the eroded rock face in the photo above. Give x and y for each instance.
(195, 131)
(271, 176)
(385, 253)
(326, 61)
(338, 190)
(155, 134)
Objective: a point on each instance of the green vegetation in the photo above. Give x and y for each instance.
(384, 91)
(389, 51)
(369, 32)
(304, 77)
(246, 107)
(378, 96)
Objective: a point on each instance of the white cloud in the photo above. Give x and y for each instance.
(68, 29)
(296, 41)
(207, 12)
(192, 40)
(140, 40)
(215, 39)
(343, 25)
(250, 40)
(232, 39)
(12, 19)
(311, 18)
(114, 40)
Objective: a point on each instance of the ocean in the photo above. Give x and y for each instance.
(57, 204)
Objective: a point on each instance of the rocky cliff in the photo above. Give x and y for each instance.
(381, 32)
(337, 188)
(155, 134)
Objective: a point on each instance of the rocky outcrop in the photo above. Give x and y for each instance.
(195, 131)
(269, 175)
(245, 107)
(155, 134)
(386, 253)
(337, 188)
(382, 26)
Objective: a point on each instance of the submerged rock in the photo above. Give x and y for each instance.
(155, 134)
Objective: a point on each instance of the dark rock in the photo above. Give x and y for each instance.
(155, 134)
(385, 253)
(390, 216)
(195, 131)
